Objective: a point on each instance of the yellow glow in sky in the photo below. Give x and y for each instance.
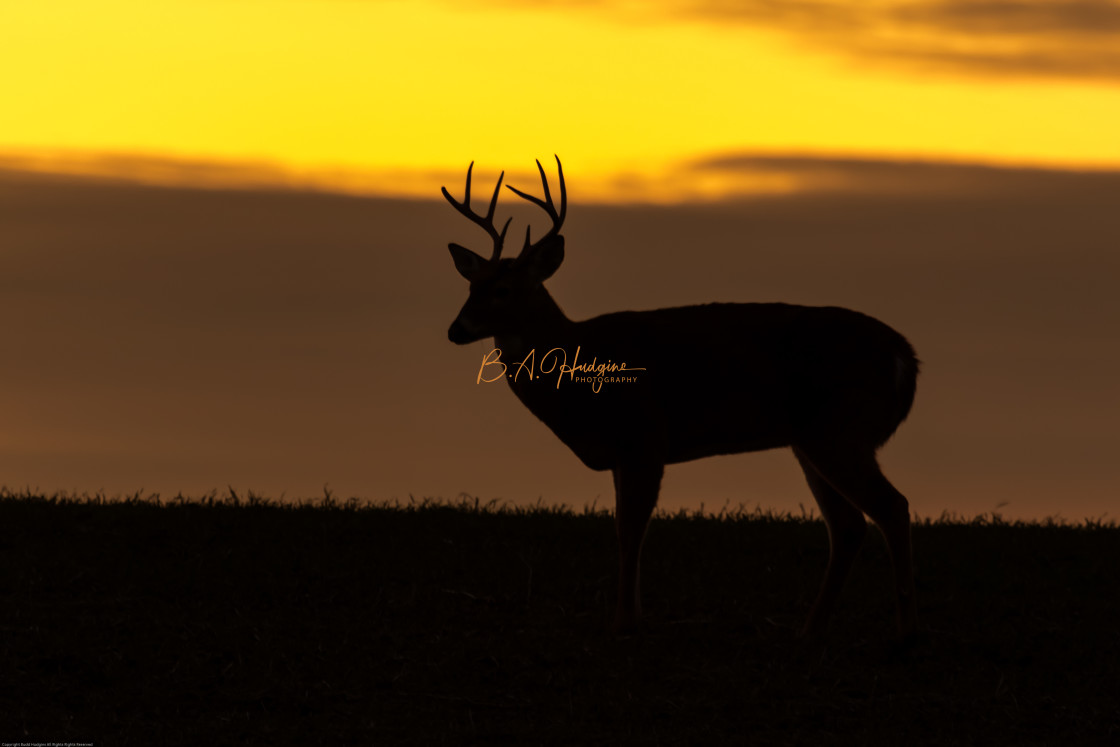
(403, 89)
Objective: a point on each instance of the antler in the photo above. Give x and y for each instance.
(486, 222)
(546, 204)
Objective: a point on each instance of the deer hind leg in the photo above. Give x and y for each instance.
(855, 474)
(846, 530)
(636, 488)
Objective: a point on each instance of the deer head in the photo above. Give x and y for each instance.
(505, 291)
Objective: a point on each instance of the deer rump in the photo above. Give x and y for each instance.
(724, 379)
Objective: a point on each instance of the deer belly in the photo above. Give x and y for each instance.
(701, 428)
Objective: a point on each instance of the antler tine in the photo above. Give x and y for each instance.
(494, 197)
(546, 204)
(487, 221)
(544, 182)
(563, 188)
(501, 240)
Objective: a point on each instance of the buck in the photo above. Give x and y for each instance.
(695, 381)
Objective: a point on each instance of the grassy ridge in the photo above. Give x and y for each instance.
(246, 622)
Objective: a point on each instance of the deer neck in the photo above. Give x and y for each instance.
(543, 326)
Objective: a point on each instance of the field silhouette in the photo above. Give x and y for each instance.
(241, 621)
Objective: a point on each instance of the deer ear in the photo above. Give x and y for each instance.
(466, 262)
(543, 260)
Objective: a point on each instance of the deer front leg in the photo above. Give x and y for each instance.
(636, 487)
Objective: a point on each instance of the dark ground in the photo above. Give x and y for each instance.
(242, 623)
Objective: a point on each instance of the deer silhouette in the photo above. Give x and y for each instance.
(830, 383)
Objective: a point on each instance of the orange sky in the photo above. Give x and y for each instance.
(176, 340)
(388, 96)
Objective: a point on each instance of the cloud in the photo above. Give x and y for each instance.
(1061, 39)
(168, 171)
(717, 177)
(808, 174)
(1029, 17)
(1078, 39)
(1029, 38)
